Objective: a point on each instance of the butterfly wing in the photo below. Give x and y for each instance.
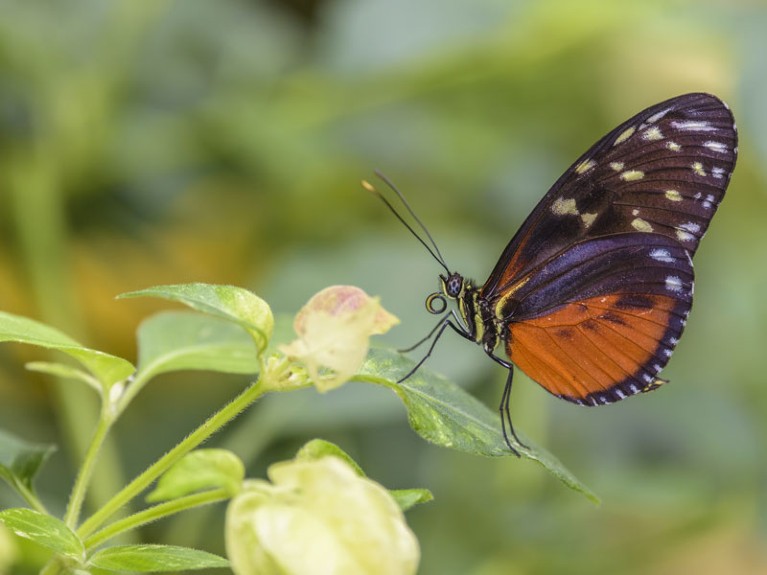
(592, 293)
(664, 171)
(598, 322)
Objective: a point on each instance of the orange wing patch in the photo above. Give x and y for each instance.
(601, 349)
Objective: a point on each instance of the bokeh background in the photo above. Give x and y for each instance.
(148, 142)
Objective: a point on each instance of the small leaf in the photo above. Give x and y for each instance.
(443, 413)
(109, 369)
(173, 341)
(20, 461)
(64, 371)
(318, 448)
(200, 470)
(153, 558)
(407, 498)
(231, 303)
(44, 530)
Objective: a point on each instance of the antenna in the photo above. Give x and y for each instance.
(435, 253)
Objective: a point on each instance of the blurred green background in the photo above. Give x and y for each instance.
(145, 142)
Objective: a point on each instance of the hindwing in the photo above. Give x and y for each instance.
(599, 322)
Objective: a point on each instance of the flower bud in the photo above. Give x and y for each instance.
(318, 517)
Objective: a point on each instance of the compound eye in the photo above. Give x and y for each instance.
(436, 303)
(454, 286)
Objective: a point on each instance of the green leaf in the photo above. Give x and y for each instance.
(173, 341)
(407, 498)
(443, 413)
(64, 371)
(109, 369)
(20, 461)
(319, 448)
(231, 303)
(44, 530)
(200, 470)
(151, 558)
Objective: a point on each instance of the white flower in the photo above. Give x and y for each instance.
(334, 329)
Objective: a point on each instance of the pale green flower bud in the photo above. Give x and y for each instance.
(318, 517)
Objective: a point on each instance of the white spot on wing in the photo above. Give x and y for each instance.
(715, 146)
(588, 219)
(693, 125)
(585, 166)
(563, 207)
(697, 167)
(641, 225)
(673, 195)
(673, 146)
(632, 175)
(657, 116)
(617, 166)
(717, 172)
(674, 284)
(652, 134)
(625, 135)
(691, 227)
(661, 255)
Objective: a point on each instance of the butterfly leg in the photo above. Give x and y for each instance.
(440, 324)
(503, 408)
(440, 329)
(508, 432)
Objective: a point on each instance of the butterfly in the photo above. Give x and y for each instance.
(591, 295)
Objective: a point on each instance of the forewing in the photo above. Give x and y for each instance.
(664, 171)
(598, 322)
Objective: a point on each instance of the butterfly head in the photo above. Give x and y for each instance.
(452, 287)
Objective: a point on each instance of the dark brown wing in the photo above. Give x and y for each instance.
(664, 172)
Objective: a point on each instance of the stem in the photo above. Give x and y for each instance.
(157, 512)
(142, 378)
(207, 429)
(85, 474)
(30, 497)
